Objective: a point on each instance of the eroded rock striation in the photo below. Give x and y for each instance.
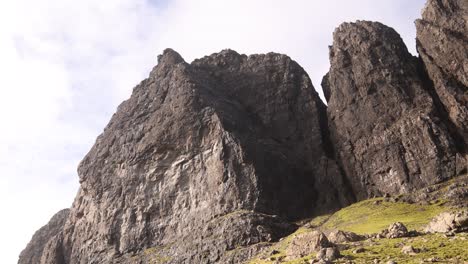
(442, 42)
(209, 161)
(388, 133)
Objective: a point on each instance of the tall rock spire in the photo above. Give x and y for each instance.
(442, 42)
(388, 134)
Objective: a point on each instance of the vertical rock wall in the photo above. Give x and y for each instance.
(442, 43)
(387, 131)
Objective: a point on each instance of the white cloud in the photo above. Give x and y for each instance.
(67, 64)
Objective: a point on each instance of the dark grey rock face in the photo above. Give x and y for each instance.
(442, 42)
(204, 158)
(387, 131)
(42, 240)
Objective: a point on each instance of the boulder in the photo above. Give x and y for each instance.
(306, 243)
(330, 254)
(448, 222)
(339, 237)
(395, 230)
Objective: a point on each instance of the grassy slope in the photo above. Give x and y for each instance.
(446, 250)
(372, 216)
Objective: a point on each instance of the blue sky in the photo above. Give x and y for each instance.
(66, 65)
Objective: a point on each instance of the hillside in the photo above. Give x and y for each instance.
(358, 231)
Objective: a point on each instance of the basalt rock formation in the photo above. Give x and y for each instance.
(209, 157)
(208, 160)
(388, 133)
(442, 42)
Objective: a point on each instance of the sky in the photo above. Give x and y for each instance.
(67, 64)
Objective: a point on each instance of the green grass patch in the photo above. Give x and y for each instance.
(319, 220)
(371, 216)
(446, 250)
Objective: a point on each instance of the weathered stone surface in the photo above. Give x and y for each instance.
(448, 222)
(43, 238)
(442, 42)
(339, 237)
(306, 243)
(230, 238)
(329, 254)
(395, 230)
(387, 131)
(204, 158)
(454, 192)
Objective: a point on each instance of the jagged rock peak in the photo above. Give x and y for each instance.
(356, 30)
(167, 61)
(360, 36)
(170, 57)
(225, 53)
(230, 59)
(387, 131)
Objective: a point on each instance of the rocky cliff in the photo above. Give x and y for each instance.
(209, 161)
(442, 42)
(388, 133)
(228, 146)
